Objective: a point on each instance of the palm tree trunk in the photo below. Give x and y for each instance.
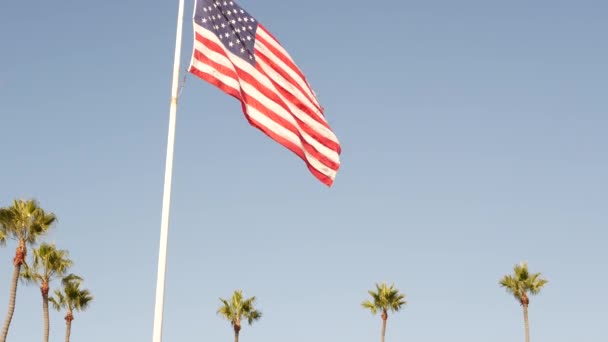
(19, 258)
(236, 335)
(384, 318)
(68, 325)
(526, 323)
(68, 329)
(45, 313)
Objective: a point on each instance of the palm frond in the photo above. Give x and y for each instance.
(253, 316)
(522, 282)
(2, 234)
(24, 220)
(58, 300)
(370, 306)
(236, 308)
(386, 298)
(48, 263)
(71, 297)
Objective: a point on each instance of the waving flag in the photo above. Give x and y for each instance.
(238, 55)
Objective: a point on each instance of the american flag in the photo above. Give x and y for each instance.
(238, 55)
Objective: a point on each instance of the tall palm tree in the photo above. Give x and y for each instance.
(385, 299)
(49, 262)
(25, 222)
(520, 284)
(236, 309)
(71, 298)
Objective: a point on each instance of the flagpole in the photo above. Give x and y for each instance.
(164, 225)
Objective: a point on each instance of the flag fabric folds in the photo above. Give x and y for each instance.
(238, 55)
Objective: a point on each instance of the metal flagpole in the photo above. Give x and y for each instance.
(164, 225)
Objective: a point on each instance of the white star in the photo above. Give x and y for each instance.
(225, 3)
(251, 28)
(239, 19)
(230, 44)
(250, 57)
(246, 19)
(204, 20)
(248, 37)
(228, 12)
(242, 50)
(223, 25)
(233, 21)
(205, 9)
(238, 30)
(244, 28)
(242, 11)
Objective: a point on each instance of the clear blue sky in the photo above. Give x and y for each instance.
(473, 134)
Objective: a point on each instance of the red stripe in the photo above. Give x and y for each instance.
(329, 143)
(211, 45)
(272, 95)
(293, 148)
(286, 59)
(216, 82)
(292, 64)
(201, 57)
(260, 55)
(255, 103)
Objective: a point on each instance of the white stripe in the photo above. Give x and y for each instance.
(264, 34)
(209, 70)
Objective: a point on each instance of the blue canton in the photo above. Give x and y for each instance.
(231, 24)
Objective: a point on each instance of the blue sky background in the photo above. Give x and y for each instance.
(473, 135)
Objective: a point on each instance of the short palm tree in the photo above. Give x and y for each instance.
(385, 299)
(236, 309)
(520, 284)
(25, 222)
(49, 263)
(71, 298)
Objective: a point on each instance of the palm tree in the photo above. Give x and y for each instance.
(71, 298)
(49, 262)
(236, 309)
(384, 299)
(25, 222)
(520, 284)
